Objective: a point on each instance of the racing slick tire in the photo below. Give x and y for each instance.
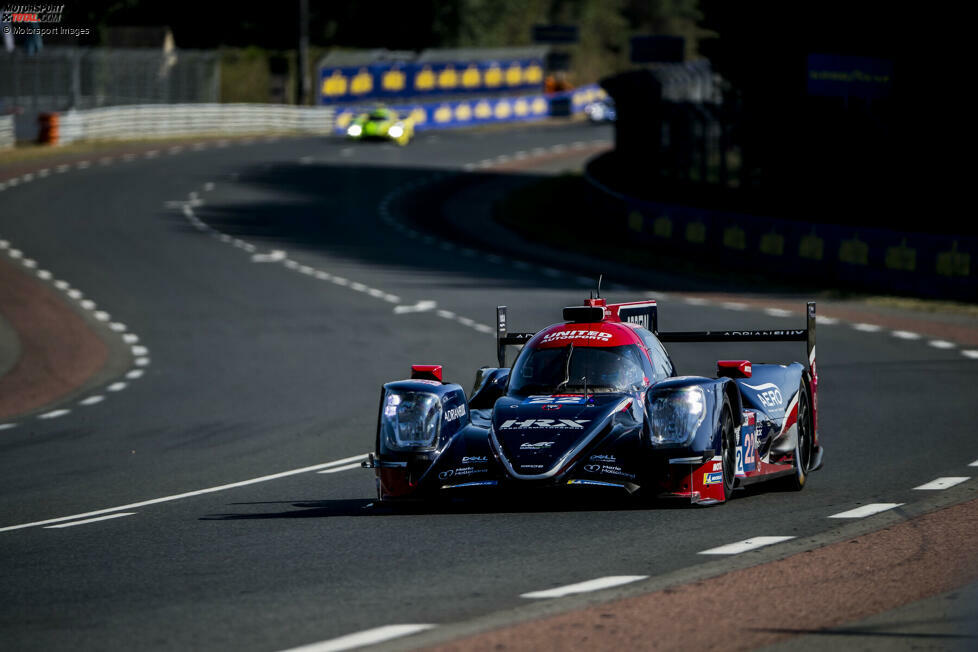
(804, 442)
(728, 448)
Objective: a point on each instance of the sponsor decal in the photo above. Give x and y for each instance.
(531, 466)
(560, 399)
(576, 335)
(763, 333)
(718, 466)
(533, 424)
(603, 458)
(478, 483)
(459, 472)
(475, 459)
(712, 478)
(426, 381)
(607, 469)
(537, 446)
(552, 407)
(595, 483)
(454, 413)
(768, 394)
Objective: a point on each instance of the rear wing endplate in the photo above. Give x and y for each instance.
(806, 335)
(504, 339)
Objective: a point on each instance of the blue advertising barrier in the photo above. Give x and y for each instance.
(923, 264)
(390, 81)
(468, 113)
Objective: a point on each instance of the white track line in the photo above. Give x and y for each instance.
(53, 414)
(866, 510)
(585, 587)
(867, 328)
(942, 483)
(971, 353)
(941, 344)
(92, 400)
(188, 494)
(362, 639)
(906, 335)
(744, 546)
(975, 463)
(89, 520)
(345, 467)
(778, 312)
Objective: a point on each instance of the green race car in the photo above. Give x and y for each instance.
(381, 124)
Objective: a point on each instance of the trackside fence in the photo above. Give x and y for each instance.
(176, 120)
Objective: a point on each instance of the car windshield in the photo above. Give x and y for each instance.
(379, 115)
(569, 369)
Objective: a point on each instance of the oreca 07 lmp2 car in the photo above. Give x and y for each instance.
(381, 124)
(595, 401)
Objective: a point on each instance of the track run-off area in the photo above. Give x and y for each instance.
(204, 490)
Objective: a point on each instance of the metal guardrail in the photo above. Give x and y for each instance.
(172, 120)
(6, 131)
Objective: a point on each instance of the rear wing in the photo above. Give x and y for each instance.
(504, 339)
(645, 313)
(806, 335)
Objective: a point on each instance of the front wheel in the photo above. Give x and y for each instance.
(804, 441)
(728, 448)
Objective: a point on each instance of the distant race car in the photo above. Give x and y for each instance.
(601, 110)
(381, 124)
(595, 401)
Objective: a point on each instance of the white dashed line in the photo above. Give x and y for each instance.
(92, 400)
(866, 510)
(44, 274)
(941, 344)
(744, 546)
(733, 305)
(420, 306)
(101, 315)
(345, 467)
(89, 520)
(118, 327)
(585, 587)
(942, 483)
(778, 312)
(117, 386)
(971, 353)
(7, 426)
(821, 320)
(130, 338)
(134, 374)
(906, 335)
(138, 350)
(87, 304)
(188, 494)
(975, 463)
(695, 301)
(141, 362)
(53, 414)
(867, 328)
(362, 639)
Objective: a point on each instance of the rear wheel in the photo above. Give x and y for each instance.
(728, 449)
(804, 441)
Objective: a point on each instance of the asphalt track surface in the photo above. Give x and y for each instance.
(262, 367)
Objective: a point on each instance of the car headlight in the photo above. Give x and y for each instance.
(354, 130)
(676, 415)
(410, 420)
(396, 131)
